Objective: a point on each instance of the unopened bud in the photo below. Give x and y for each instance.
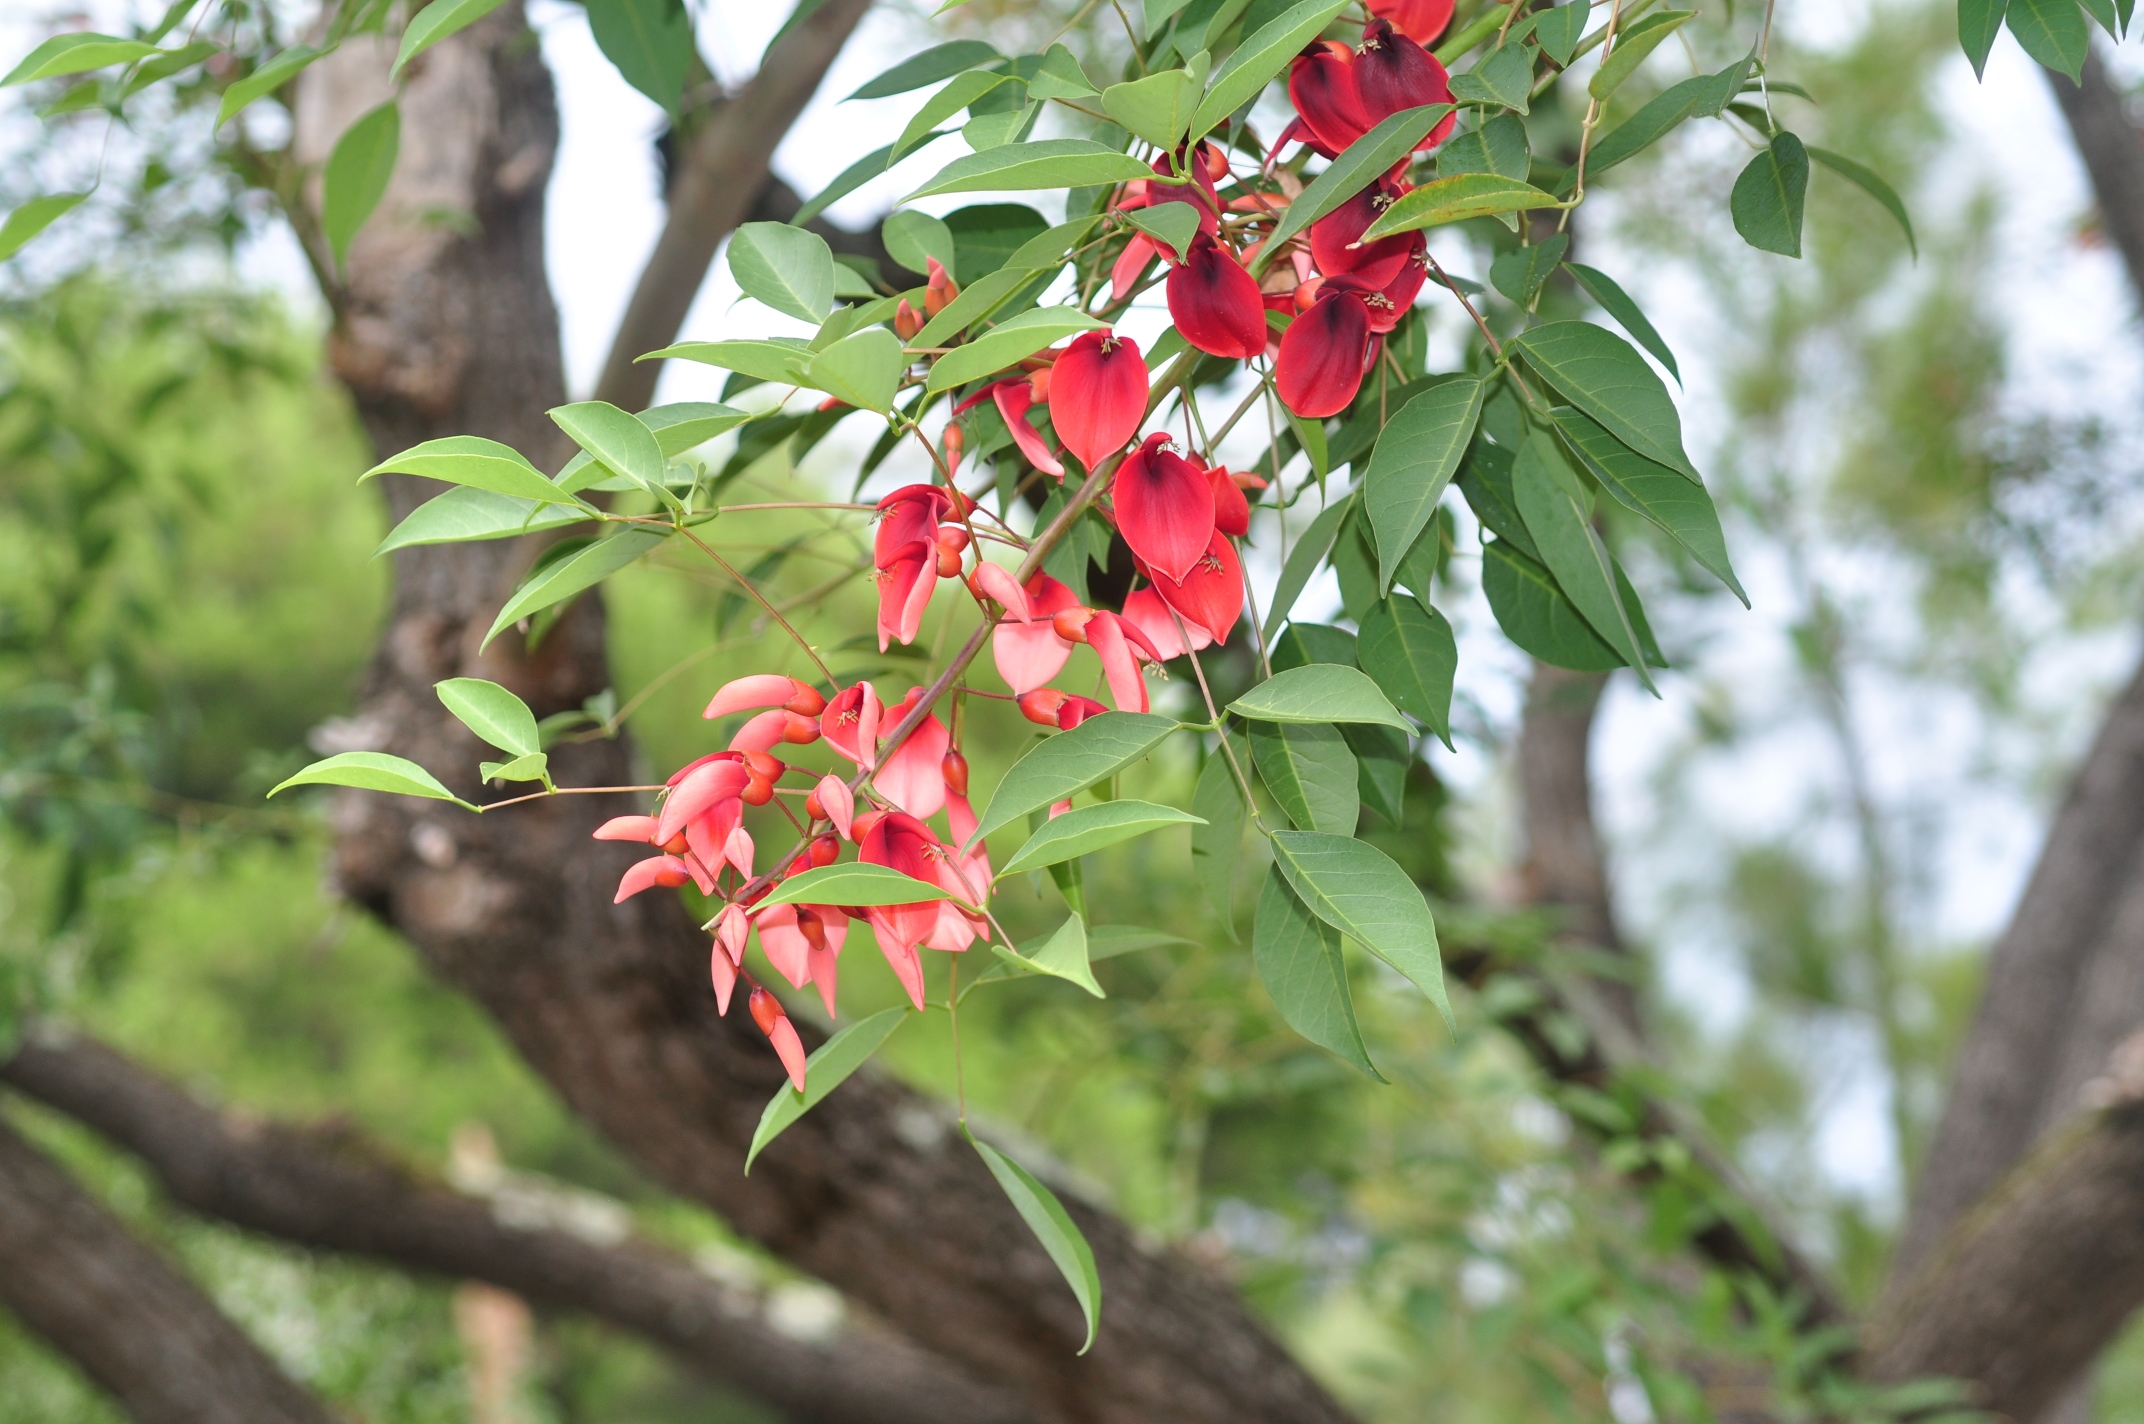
(955, 442)
(757, 792)
(1075, 711)
(907, 321)
(952, 536)
(948, 563)
(812, 809)
(940, 289)
(1071, 624)
(955, 770)
(762, 766)
(825, 850)
(766, 1010)
(1041, 706)
(799, 730)
(807, 702)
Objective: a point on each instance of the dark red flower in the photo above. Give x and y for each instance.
(1333, 238)
(1324, 354)
(1321, 85)
(1164, 506)
(1215, 303)
(1210, 596)
(1231, 511)
(910, 513)
(1391, 73)
(1420, 20)
(1098, 395)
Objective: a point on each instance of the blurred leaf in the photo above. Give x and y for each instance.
(1382, 760)
(826, 1069)
(1069, 762)
(33, 217)
(1063, 956)
(1217, 841)
(1868, 182)
(268, 78)
(75, 53)
(936, 63)
(358, 170)
(1979, 22)
(1050, 163)
(1632, 44)
(1045, 1216)
(373, 771)
(1318, 692)
(650, 42)
(434, 23)
(855, 882)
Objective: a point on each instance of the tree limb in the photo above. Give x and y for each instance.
(81, 1280)
(724, 169)
(327, 1187)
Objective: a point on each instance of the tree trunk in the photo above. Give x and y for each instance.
(146, 1334)
(873, 1190)
(328, 1188)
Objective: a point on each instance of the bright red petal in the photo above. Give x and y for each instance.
(1322, 356)
(1322, 86)
(913, 777)
(1145, 611)
(1098, 395)
(904, 591)
(1106, 636)
(1231, 511)
(1013, 400)
(1212, 596)
(1420, 20)
(1215, 303)
(850, 723)
(1332, 238)
(1164, 507)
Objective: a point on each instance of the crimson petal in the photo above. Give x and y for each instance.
(1333, 236)
(1098, 392)
(1322, 86)
(1392, 72)
(1216, 304)
(1322, 356)
(1164, 507)
(1211, 595)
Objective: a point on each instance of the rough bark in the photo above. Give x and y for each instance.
(726, 164)
(873, 1191)
(2028, 1288)
(329, 1188)
(77, 1277)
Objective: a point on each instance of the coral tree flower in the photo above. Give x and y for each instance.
(1014, 398)
(1098, 392)
(903, 842)
(1119, 644)
(912, 776)
(1333, 238)
(850, 723)
(1321, 85)
(767, 1013)
(1324, 354)
(1164, 506)
(1029, 651)
(1392, 73)
(1419, 20)
(1215, 302)
(905, 551)
(1048, 707)
(1210, 596)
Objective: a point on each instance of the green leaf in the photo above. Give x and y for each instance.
(1598, 372)
(476, 462)
(1063, 955)
(1158, 107)
(1667, 497)
(1868, 182)
(1060, 77)
(1505, 76)
(682, 425)
(1089, 828)
(1521, 273)
(1535, 614)
(1413, 461)
(1303, 561)
(1450, 200)
(1302, 643)
(1767, 198)
(1358, 890)
(75, 53)
(434, 23)
(988, 236)
(1311, 773)
(862, 171)
(1499, 146)
(827, 1069)
(650, 42)
(855, 882)
(33, 218)
(1217, 842)
(777, 361)
(1656, 118)
(1617, 303)
(1299, 959)
(1319, 692)
(936, 63)
(784, 267)
(1632, 44)
(864, 370)
(1382, 757)
(1358, 166)
(1558, 30)
(958, 94)
(267, 79)
(533, 767)
(1979, 22)
(1560, 523)
(491, 712)
(976, 301)
(356, 175)
(573, 570)
(1045, 1216)
(468, 515)
(1051, 163)
(1172, 224)
(1008, 343)
(913, 239)
(2053, 32)
(373, 771)
(1411, 653)
(1071, 761)
(620, 443)
(1260, 57)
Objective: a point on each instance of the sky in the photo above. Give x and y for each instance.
(2072, 346)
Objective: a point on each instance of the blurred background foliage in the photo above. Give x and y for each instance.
(186, 592)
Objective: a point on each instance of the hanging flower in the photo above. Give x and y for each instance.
(1392, 73)
(1029, 652)
(1215, 303)
(1210, 596)
(1419, 20)
(1098, 393)
(1324, 354)
(1164, 506)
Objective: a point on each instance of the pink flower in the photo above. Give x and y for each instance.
(912, 776)
(767, 1013)
(850, 723)
(1029, 653)
(1145, 611)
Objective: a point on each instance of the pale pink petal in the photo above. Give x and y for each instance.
(1058, 808)
(901, 954)
(837, 801)
(1106, 636)
(789, 1048)
(627, 828)
(765, 689)
(731, 931)
(913, 778)
(647, 874)
(738, 850)
(952, 933)
(692, 797)
(1028, 654)
(996, 582)
(762, 733)
(824, 965)
(1145, 611)
(784, 944)
(724, 975)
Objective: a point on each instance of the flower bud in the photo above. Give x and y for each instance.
(954, 442)
(812, 809)
(763, 767)
(675, 845)
(952, 536)
(907, 321)
(766, 1010)
(824, 851)
(1071, 624)
(948, 563)
(757, 792)
(1075, 711)
(799, 730)
(1041, 706)
(955, 770)
(939, 291)
(807, 703)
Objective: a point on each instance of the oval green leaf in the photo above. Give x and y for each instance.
(478, 463)
(769, 360)
(936, 63)
(75, 53)
(1063, 956)
(1009, 342)
(356, 175)
(1303, 561)
(1299, 958)
(1070, 762)
(465, 515)
(1090, 828)
(1767, 197)
(373, 771)
(1617, 303)
(1669, 498)
(1358, 890)
(855, 882)
(267, 79)
(1411, 653)
(1535, 614)
(33, 217)
(1051, 163)
(1217, 842)
(827, 1069)
(787, 268)
(1632, 44)
(682, 425)
(1601, 374)
(619, 442)
(1318, 692)
(864, 369)
(493, 713)
(1045, 1216)
(1456, 199)
(1546, 493)
(573, 571)
(434, 23)
(1311, 772)
(1414, 459)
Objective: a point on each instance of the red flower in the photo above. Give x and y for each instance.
(904, 843)
(1231, 511)
(1324, 354)
(1392, 73)
(1215, 303)
(1048, 707)
(1420, 20)
(909, 514)
(1164, 506)
(832, 801)
(766, 690)
(1145, 611)
(1114, 642)
(1211, 595)
(1333, 237)
(1321, 85)
(767, 1013)
(1098, 392)
(803, 943)
(913, 776)
(850, 723)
